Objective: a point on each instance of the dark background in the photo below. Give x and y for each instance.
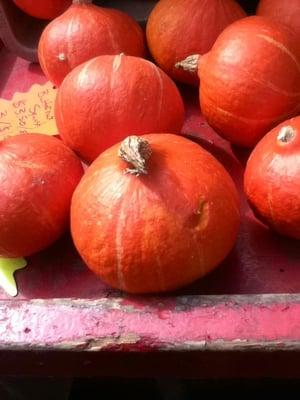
(250, 5)
(143, 389)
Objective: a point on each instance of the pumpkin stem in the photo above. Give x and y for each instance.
(189, 64)
(135, 151)
(82, 1)
(286, 134)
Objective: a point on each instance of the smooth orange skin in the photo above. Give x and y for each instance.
(179, 28)
(38, 175)
(250, 80)
(43, 9)
(287, 12)
(272, 181)
(85, 31)
(110, 97)
(160, 231)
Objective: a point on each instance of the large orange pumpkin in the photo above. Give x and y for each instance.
(250, 80)
(284, 11)
(44, 9)
(109, 97)
(154, 213)
(178, 28)
(85, 31)
(272, 178)
(38, 175)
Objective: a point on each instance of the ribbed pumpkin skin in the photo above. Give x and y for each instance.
(38, 175)
(250, 80)
(43, 9)
(110, 97)
(179, 28)
(85, 31)
(272, 180)
(159, 231)
(287, 12)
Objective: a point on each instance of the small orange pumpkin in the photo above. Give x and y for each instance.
(85, 31)
(178, 28)
(250, 80)
(272, 178)
(154, 213)
(38, 175)
(283, 11)
(43, 9)
(109, 97)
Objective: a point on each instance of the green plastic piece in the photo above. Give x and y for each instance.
(8, 266)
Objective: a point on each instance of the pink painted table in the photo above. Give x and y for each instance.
(242, 320)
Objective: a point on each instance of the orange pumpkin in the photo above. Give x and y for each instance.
(284, 11)
(38, 175)
(154, 213)
(272, 178)
(44, 9)
(250, 80)
(178, 28)
(109, 97)
(85, 31)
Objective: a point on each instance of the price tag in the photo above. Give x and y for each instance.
(30, 112)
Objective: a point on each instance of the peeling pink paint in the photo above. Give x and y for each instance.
(38, 323)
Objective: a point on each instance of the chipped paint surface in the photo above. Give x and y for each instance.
(180, 324)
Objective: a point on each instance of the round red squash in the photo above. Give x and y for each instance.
(284, 11)
(109, 97)
(154, 213)
(44, 9)
(85, 31)
(178, 28)
(272, 178)
(38, 175)
(250, 80)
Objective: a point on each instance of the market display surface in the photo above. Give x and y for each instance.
(176, 177)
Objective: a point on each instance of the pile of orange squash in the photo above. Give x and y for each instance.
(155, 211)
